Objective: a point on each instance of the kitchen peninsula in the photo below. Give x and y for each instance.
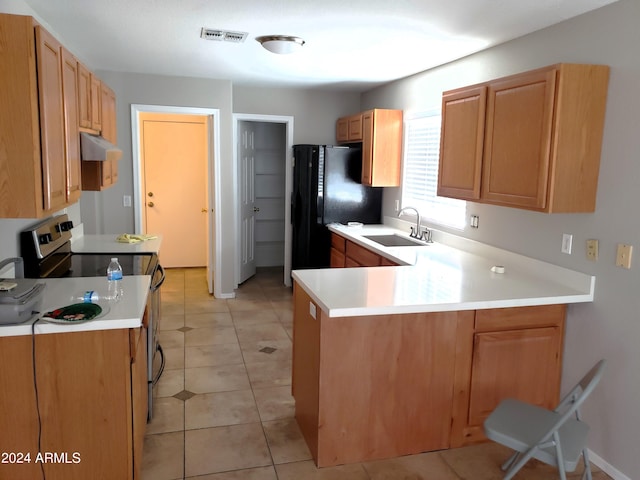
(395, 360)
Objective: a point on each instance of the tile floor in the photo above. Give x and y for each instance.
(223, 407)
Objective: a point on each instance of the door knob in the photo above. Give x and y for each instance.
(150, 194)
(256, 209)
(150, 204)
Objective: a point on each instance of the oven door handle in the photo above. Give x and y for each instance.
(157, 285)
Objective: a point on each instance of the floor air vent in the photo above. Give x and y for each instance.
(223, 35)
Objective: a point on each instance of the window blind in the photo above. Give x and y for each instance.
(420, 173)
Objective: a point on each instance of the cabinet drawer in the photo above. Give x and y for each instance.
(338, 242)
(385, 262)
(362, 256)
(520, 317)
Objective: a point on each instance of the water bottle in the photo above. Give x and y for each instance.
(114, 279)
(90, 296)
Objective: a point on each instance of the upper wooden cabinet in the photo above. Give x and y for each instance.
(381, 147)
(461, 142)
(531, 140)
(96, 103)
(380, 132)
(98, 175)
(349, 129)
(71, 124)
(84, 96)
(32, 128)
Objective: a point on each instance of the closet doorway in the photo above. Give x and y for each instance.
(263, 156)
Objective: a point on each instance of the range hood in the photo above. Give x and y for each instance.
(96, 148)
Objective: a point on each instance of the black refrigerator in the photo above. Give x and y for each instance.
(327, 189)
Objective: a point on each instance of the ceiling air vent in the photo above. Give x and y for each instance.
(223, 35)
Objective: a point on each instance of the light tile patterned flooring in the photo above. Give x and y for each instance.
(223, 407)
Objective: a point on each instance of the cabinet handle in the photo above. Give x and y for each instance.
(150, 194)
(150, 204)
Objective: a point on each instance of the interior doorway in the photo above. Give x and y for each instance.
(263, 159)
(174, 195)
(211, 180)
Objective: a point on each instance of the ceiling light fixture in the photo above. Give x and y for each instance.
(281, 44)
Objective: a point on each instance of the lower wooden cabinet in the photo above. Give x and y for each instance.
(338, 249)
(515, 353)
(345, 253)
(357, 256)
(381, 386)
(92, 398)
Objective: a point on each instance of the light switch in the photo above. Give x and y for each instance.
(567, 241)
(623, 256)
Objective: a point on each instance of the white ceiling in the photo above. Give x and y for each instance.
(350, 44)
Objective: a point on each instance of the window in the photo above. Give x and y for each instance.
(420, 172)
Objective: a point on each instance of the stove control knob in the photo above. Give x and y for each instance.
(66, 226)
(45, 238)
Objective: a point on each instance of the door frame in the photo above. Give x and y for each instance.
(214, 261)
(288, 122)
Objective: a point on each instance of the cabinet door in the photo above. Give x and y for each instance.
(381, 147)
(109, 131)
(108, 109)
(84, 96)
(367, 148)
(518, 140)
(96, 104)
(461, 142)
(355, 128)
(71, 123)
(342, 130)
(51, 120)
(139, 394)
(337, 259)
(521, 364)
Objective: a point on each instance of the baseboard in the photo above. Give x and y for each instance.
(606, 468)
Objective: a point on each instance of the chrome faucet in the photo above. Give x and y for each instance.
(417, 232)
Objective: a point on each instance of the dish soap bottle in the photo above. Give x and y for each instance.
(114, 279)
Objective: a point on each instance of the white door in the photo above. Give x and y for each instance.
(247, 200)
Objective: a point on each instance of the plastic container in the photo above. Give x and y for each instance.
(114, 280)
(91, 296)
(114, 270)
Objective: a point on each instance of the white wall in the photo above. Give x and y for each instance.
(609, 327)
(315, 111)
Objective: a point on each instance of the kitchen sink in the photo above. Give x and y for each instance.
(394, 240)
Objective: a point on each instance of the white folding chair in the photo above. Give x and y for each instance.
(555, 437)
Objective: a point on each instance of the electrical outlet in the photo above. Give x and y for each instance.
(126, 201)
(623, 255)
(592, 249)
(567, 241)
(474, 221)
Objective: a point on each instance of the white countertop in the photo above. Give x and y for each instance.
(439, 278)
(58, 292)
(107, 243)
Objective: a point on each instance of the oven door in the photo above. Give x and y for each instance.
(155, 355)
